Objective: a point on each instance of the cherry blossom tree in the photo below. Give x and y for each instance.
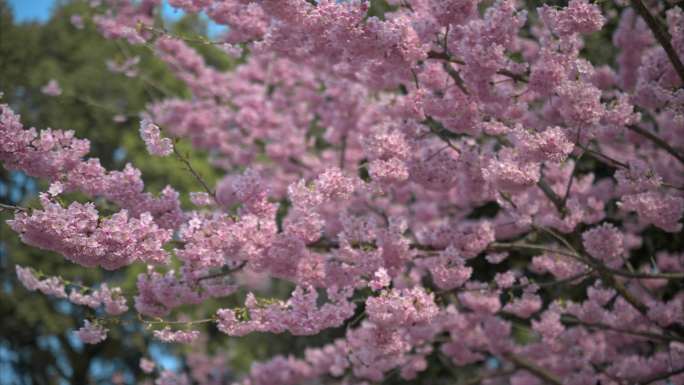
(446, 182)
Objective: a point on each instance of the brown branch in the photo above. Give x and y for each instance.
(607, 274)
(609, 279)
(225, 271)
(326, 244)
(551, 283)
(343, 151)
(657, 141)
(553, 197)
(160, 321)
(446, 57)
(564, 201)
(479, 379)
(439, 55)
(526, 246)
(456, 76)
(661, 35)
(533, 368)
(430, 123)
(517, 77)
(601, 157)
(637, 333)
(592, 263)
(663, 376)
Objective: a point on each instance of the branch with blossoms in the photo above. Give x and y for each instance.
(450, 185)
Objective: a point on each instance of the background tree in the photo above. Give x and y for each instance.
(36, 333)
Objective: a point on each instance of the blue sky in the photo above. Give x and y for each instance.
(39, 10)
(31, 10)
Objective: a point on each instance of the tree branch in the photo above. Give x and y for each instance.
(553, 197)
(657, 141)
(661, 35)
(645, 334)
(225, 271)
(592, 263)
(343, 151)
(663, 376)
(194, 173)
(531, 367)
(446, 57)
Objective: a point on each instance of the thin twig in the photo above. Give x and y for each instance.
(197, 176)
(223, 272)
(415, 78)
(602, 157)
(557, 236)
(572, 176)
(165, 322)
(7, 207)
(550, 283)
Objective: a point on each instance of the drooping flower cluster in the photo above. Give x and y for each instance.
(112, 299)
(151, 135)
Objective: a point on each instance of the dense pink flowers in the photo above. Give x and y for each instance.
(58, 155)
(78, 233)
(46, 154)
(300, 315)
(605, 243)
(580, 16)
(662, 210)
(448, 183)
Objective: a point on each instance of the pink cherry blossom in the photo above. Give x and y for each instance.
(52, 88)
(91, 333)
